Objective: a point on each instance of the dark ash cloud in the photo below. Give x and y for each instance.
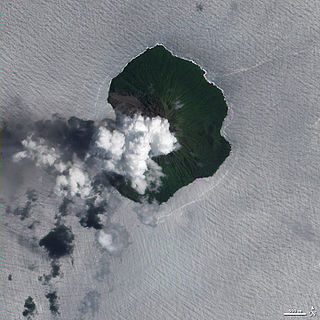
(92, 220)
(72, 136)
(53, 301)
(90, 303)
(29, 308)
(58, 242)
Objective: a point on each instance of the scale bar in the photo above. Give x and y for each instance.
(295, 314)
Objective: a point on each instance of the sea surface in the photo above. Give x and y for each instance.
(242, 244)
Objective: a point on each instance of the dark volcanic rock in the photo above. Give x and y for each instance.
(130, 105)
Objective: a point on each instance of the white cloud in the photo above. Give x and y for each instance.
(153, 175)
(76, 183)
(125, 147)
(105, 240)
(148, 213)
(129, 148)
(37, 151)
(114, 239)
(20, 156)
(61, 166)
(112, 142)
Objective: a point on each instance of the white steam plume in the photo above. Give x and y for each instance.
(129, 148)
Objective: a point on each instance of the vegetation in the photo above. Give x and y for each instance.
(176, 89)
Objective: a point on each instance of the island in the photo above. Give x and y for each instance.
(157, 83)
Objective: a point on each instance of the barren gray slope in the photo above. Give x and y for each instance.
(244, 244)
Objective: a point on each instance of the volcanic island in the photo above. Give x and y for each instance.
(157, 83)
